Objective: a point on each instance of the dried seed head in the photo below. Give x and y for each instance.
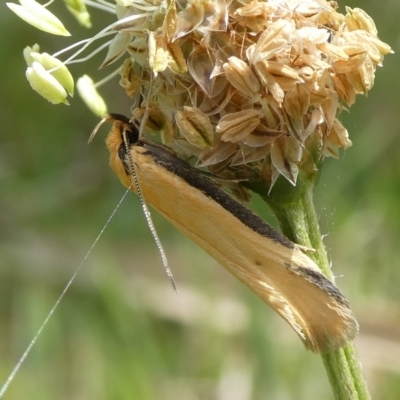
(255, 93)
(242, 85)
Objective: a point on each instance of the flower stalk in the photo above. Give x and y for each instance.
(294, 208)
(299, 222)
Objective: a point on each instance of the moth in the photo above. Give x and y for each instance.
(272, 266)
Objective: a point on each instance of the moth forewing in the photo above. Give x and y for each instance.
(263, 259)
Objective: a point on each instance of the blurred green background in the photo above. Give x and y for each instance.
(121, 332)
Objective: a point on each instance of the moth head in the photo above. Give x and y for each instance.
(123, 134)
(123, 130)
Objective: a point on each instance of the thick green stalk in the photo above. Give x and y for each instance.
(294, 208)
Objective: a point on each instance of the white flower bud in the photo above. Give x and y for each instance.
(38, 16)
(57, 69)
(91, 96)
(46, 84)
(78, 9)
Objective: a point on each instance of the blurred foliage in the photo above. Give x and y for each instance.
(120, 332)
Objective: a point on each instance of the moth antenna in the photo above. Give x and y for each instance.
(107, 118)
(50, 314)
(147, 214)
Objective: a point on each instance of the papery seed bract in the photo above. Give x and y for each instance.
(195, 126)
(236, 126)
(117, 47)
(358, 19)
(240, 75)
(129, 80)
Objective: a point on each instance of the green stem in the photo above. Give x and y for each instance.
(294, 208)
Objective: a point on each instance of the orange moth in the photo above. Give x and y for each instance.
(272, 266)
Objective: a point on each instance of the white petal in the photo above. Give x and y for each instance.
(27, 53)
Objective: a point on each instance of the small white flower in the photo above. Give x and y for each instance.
(91, 96)
(46, 84)
(38, 16)
(54, 66)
